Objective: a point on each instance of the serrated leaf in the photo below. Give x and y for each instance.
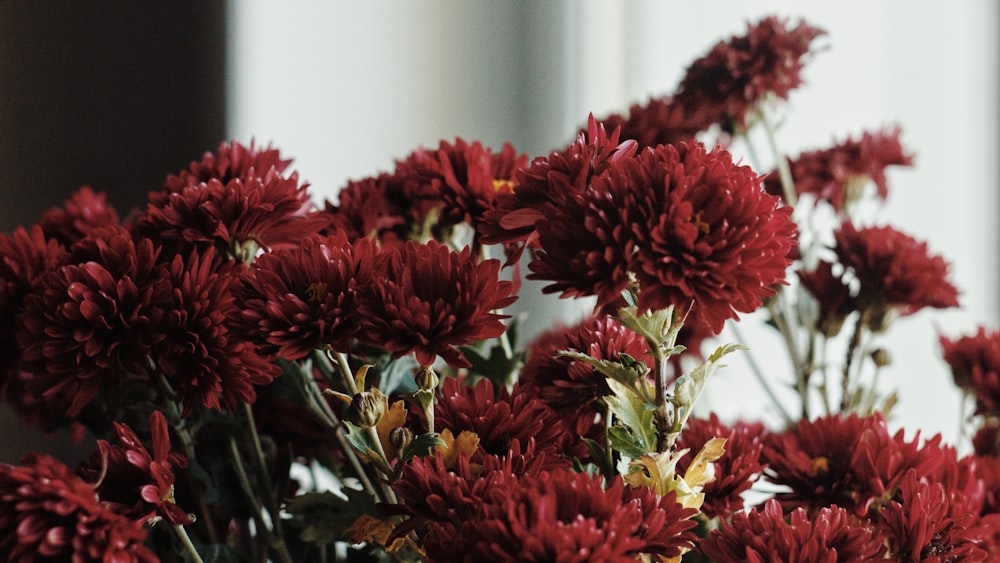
(688, 388)
(422, 445)
(361, 440)
(616, 370)
(632, 413)
(623, 441)
(657, 327)
(325, 517)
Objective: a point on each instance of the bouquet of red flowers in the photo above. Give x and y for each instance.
(275, 378)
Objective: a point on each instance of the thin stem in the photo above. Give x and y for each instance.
(188, 545)
(761, 378)
(345, 371)
(267, 526)
(852, 349)
(204, 516)
(390, 495)
(781, 162)
(779, 312)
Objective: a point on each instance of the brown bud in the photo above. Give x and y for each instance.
(881, 357)
(426, 378)
(400, 438)
(367, 408)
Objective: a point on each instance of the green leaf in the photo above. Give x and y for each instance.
(657, 327)
(360, 439)
(634, 414)
(422, 445)
(688, 388)
(324, 517)
(600, 457)
(622, 440)
(627, 370)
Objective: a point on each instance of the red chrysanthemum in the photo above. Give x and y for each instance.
(660, 121)
(49, 514)
(427, 299)
(294, 301)
(895, 272)
(848, 461)
(499, 418)
(93, 323)
(839, 174)
(231, 160)
(571, 387)
(377, 207)
(834, 297)
(923, 523)
(136, 484)
(735, 471)
(550, 182)
(84, 211)
(737, 76)
(975, 366)
(464, 177)
(763, 536)
(207, 365)
(236, 217)
(566, 516)
(701, 231)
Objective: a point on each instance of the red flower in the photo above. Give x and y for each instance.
(735, 471)
(377, 207)
(199, 356)
(895, 272)
(660, 121)
(702, 231)
(566, 516)
(833, 296)
(427, 299)
(838, 175)
(761, 536)
(138, 485)
(49, 514)
(975, 366)
(232, 161)
(499, 419)
(922, 524)
(737, 76)
(90, 324)
(84, 211)
(294, 301)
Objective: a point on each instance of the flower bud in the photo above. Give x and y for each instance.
(426, 378)
(400, 438)
(367, 408)
(881, 357)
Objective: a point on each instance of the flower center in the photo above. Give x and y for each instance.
(316, 292)
(819, 466)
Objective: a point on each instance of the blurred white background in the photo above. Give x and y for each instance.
(346, 88)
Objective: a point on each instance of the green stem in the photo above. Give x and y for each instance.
(188, 545)
(781, 161)
(267, 525)
(204, 516)
(852, 349)
(383, 465)
(761, 378)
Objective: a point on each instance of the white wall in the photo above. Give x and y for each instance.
(346, 88)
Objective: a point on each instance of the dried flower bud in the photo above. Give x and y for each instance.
(367, 408)
(426, 378)
(400, 438)
(881, 357)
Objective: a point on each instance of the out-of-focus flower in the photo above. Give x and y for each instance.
(975, 366)
(84, 211)
(760, 536)
(839, 174)
(739, 75)
(895, 273)
(660, 121)
(208, 365)
(566, 516)
(701, 231)
(136, 484)
(834, 297)
(737, 469)
(427, 299)
(94, 323)
(49, 514)
(294, 301)
(376, 207)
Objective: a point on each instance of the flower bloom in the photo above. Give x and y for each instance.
(761, 536)
(839, 174)
(230, 161)
(834, 298)
(427, 299)
(975, 366)
(660, 121)
(377, 207)
(740, 74)
(84, 211)
(895, 272)
(93, 323)
(49, 514)
(208, 365)
(296, 300)
(565, 516)
(136, 484)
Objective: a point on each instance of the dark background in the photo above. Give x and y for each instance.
(114, 95)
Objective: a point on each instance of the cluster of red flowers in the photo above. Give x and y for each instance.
(257, 331)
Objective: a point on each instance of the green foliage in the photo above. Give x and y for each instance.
(635, 431)
(323, 517)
